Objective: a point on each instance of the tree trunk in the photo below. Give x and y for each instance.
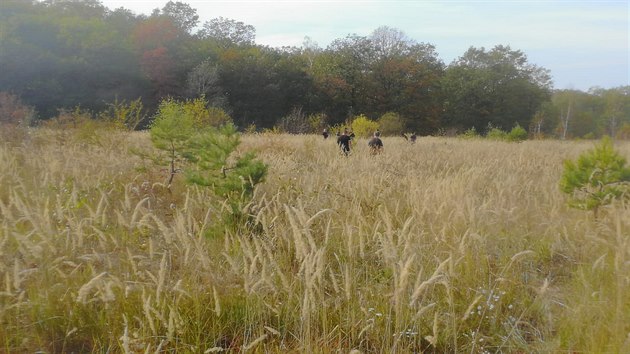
(170, 179)
(565, 122)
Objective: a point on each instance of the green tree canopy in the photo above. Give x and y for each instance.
(497, 87)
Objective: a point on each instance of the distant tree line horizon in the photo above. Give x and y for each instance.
(60, 54)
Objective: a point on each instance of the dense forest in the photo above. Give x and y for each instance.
(58, 55)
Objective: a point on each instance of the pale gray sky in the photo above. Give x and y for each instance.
(583, 43)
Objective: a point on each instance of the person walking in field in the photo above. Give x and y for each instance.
(376, 144)
(344, 142)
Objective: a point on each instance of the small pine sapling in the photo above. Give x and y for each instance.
(206, 153)
(171, 132)
(596, 178)
(234, 178)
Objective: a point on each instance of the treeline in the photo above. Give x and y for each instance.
(58, 55)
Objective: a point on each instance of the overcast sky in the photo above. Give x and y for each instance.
(584, 43)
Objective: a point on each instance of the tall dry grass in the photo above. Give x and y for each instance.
(441, 246)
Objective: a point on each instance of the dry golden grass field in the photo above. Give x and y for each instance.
(447, 245)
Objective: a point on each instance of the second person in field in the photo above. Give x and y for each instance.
(375, 143)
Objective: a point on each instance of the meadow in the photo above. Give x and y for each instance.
(447, 245)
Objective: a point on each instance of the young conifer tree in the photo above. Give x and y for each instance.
(596, 178)
(206, 153)
(171, 131)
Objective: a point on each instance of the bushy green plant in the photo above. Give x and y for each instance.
(469, 134)
(125, 115)
(68, 119)
(337, 128)
(517, 133)
(596, 178)
(362, 126)
(317, 122)
(391, 123)
(496, 134)
(275, 130)
(79, 125)
(204, 115)
(251, 129)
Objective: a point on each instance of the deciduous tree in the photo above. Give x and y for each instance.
(228, 32)
(184, 16)
(497, 87)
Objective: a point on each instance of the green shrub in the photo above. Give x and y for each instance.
(496, 134)
(469, 134)
(517, 133)
(203, 115)
(391, 124)
(79, 125)
(598, 177)
(337, 128)
(317, 122)
(68, 119)
(275, 130)
(123, 115)
(251, 129)
(364, 127)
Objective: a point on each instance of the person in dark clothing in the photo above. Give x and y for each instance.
(325, 134)
(344, 142)
(376, 144)
(412, 138)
